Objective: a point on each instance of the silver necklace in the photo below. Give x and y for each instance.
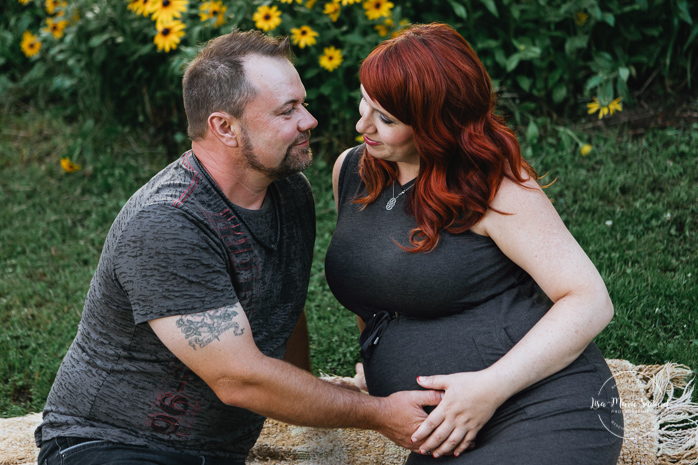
(393, 200)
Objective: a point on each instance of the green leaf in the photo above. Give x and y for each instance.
(624, 73)
(559, 92)
(513, 62)
(532, 132)
(684, 12)
(524, 82)
(99, 40)
(691, 36)
(594, 81)
(609, 18)
(554, 77)
(500, 57)
(492, 7)
(459, 9)
(595, 12)
(575, 43)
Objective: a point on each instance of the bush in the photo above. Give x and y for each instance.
(114, 59)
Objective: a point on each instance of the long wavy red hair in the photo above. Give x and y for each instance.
(429, 78)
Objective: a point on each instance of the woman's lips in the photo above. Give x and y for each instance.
(369, 141)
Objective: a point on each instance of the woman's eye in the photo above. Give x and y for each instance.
(386, 120)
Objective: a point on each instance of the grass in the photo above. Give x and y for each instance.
(632, 204)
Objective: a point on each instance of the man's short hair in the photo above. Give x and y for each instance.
(215, 79)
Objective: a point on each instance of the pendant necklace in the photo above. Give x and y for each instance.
(393, 200)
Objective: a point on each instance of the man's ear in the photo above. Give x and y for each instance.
(225, 128)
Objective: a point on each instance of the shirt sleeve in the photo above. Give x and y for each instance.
(168, 263)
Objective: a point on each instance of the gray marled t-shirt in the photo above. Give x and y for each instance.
(179, 247)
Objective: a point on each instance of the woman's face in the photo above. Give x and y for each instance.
(386, 137)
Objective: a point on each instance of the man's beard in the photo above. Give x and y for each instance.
(296, 159)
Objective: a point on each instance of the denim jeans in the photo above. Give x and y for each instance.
(79, 451)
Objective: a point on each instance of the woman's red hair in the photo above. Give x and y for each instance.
(429, 78)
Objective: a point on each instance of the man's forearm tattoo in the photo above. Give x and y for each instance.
(203, 328)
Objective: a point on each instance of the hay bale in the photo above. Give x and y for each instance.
(661, 428)
(17, 445)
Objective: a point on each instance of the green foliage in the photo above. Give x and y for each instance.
(545, 56)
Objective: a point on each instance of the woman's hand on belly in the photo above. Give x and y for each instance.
(469, 401)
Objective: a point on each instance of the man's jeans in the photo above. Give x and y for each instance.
(79, 451)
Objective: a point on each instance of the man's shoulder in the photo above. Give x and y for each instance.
(296, 182)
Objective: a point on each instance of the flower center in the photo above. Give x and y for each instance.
(267, 17)
(165, 32)
(165, 3)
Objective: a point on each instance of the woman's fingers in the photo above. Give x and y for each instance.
(452, 441)
(467, 443)
(430, 423)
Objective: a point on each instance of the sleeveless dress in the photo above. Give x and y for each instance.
(458, 308)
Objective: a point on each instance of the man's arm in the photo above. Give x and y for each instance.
(298, 346)
(218, 346)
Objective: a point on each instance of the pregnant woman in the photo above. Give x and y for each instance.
(462, 274)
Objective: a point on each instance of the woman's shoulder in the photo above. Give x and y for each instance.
(352, 153)
(512, 198)
(350, 157)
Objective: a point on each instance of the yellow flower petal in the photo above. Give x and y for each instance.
(377, 8)
(169, 35)
(267, 18)
(303, 36)
(331, 58)
(68, 166)
(30, 44)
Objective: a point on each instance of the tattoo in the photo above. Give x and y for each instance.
(203, 328)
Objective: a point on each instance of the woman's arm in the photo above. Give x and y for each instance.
(535, 238)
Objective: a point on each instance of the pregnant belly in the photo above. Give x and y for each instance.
(413, 347)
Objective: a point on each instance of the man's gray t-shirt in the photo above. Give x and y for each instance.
(180, 247)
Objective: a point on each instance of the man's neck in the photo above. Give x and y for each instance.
(241, 184)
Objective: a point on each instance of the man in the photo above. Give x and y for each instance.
(202, 280)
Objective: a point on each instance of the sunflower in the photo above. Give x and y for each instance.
(604, 110)
(377, 8)
(164, 11)
(55, 27)
(585, 149)
(291, 1)
(53, 5)
(30, 44)
(331, 58)
(349, 2)
(69, 166)
(267, 18)
(581, 18)
(310, 4)
(169, 34)
(332, 10)
(303, 36)
(211, 10)
(141, 7)
(387, 26)
(23, 2)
